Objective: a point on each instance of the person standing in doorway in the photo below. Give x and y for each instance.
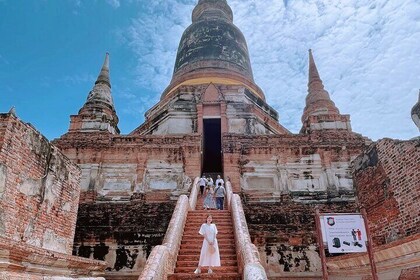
(209, 255)
(220, 193)
(202, 183)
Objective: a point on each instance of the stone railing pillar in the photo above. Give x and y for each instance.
(155, 268)
(229, 194)
(162, 259)
(194, 194)
(248, 256)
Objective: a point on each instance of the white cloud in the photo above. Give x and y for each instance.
(367, 53)
(114, 3)
(155, 38)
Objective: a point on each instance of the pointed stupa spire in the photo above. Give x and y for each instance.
(101, 92)
(318, 100)
(415, 113)
(104, 74)
(319, 103)
(98, 113)
(313, 71)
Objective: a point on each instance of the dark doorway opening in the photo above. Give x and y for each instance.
(212, 146)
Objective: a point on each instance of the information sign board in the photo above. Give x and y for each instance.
(344, 233)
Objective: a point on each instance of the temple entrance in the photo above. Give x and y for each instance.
(212, 147)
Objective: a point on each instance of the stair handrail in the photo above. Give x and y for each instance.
(162, 259)
(194, 194)
(248, 257)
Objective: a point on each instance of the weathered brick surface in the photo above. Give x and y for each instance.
(123, 225)
(281, 152)
(39, 190)
(39, 197)
(103, 149)
(22, 261)
(410, 274)
(123, 234)
(387, 177)
(281, 219)
(284, 233)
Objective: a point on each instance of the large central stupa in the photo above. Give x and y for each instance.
(212, 47)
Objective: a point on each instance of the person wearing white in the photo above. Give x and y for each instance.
(210, 182)
(209, 255)
(202, 183)
(219, 180)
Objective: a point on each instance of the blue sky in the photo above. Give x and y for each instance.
(367, 53)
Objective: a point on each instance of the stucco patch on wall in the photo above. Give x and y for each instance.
(53, 242)
(30, 187)
(3, 172)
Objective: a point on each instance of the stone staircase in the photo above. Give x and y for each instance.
(189, 252)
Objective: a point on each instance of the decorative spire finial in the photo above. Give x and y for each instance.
(313, 71)
(104, 74)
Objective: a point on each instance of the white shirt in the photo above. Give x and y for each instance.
(202, 182)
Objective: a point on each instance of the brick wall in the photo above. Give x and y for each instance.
(387, 177)
(280, 217)
(39, 191)
(410, 274)
(123, 234)
(122, 225)
(284, 233)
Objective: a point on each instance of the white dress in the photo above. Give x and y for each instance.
(209, 201)
(206, 258)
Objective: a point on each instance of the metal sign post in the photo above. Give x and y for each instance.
(321, 245)
(370, 246)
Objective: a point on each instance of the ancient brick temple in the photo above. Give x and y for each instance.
(214, 119)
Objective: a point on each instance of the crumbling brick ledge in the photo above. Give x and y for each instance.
(18, 261)
(394, 256)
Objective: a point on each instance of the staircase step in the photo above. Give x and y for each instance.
(212, 212)
(197, 245)
(221, 232)
(191, 251)
(197, 227)
(194, 263)
(216, 270)
(220, 240)
(196, 257)
(205, 275)
(203, 213)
